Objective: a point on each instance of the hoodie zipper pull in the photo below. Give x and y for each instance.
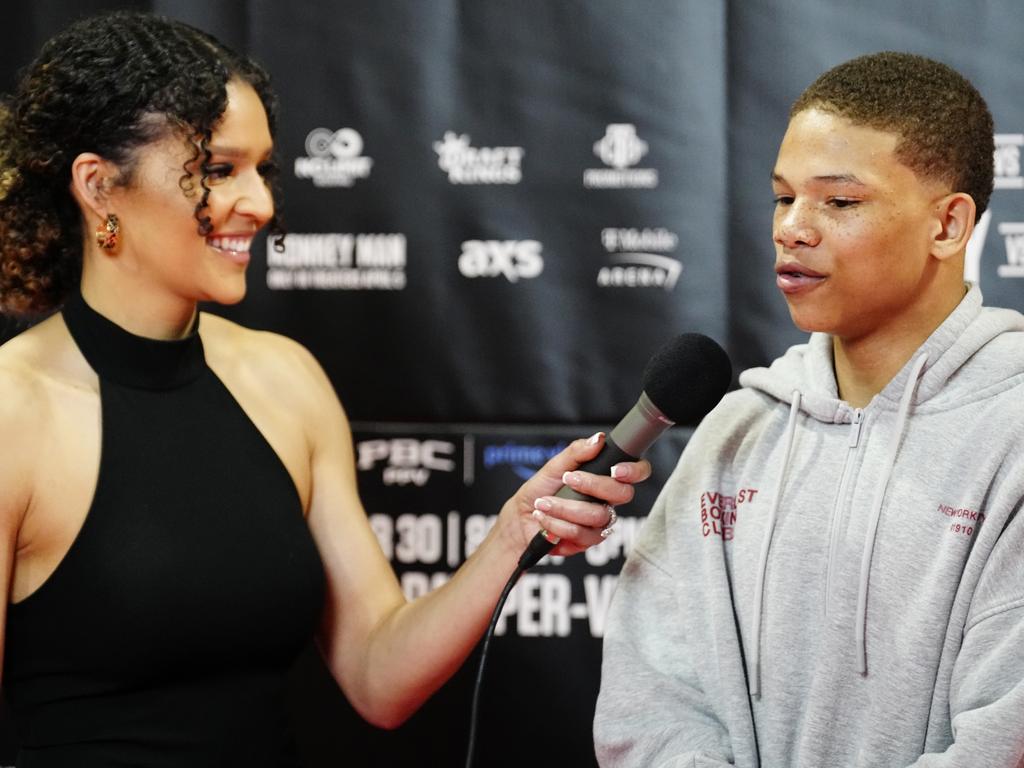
(855, 427)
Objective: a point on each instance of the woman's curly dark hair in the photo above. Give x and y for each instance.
(108, 84)
(945, 128)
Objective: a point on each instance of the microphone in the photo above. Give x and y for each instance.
(682, 382)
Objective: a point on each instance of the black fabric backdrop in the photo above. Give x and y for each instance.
(498, 211)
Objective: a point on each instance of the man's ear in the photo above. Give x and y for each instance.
(92, 178)
(954, 223)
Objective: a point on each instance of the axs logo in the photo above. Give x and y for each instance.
(513, 259)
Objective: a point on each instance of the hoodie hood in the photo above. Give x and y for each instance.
(969, 330)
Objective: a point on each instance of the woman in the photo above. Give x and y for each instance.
(179, 506)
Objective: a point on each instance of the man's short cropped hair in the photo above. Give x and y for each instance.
(945, 127)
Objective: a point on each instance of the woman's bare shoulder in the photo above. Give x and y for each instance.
(37, 364)
(267, 359)
(20, 390)
(39, 369)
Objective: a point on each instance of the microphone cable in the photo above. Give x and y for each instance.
(682, 382)
(539, 546)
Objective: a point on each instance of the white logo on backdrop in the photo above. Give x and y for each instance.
(466, 164)
(409, 461)
(620, 148)
(337, 261)
(639, 259)
(1007, 161)
(511, 259)
(1013, 238)
(334, 158)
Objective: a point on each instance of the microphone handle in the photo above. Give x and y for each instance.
(601, 464)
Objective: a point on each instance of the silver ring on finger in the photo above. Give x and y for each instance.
(612, 519)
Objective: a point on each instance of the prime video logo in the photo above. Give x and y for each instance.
(524, 460)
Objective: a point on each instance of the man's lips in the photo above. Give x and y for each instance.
(794, 278)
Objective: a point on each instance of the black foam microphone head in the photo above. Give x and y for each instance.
(687, 377)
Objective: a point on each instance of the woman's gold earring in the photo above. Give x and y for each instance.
(108, 233)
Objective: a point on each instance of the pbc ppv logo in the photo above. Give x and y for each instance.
(334, 159)
(409, 461)
(637, 263)
(620, 148)
(1007, 161)
(512, 259)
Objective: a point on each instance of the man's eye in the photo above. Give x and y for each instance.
(842, 202)
(783, 200)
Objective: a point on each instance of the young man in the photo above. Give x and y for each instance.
(834, 574)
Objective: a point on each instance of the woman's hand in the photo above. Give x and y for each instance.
(577, 524)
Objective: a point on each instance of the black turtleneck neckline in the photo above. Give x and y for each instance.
(133, 361)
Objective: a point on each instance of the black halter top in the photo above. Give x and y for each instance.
(164, 636)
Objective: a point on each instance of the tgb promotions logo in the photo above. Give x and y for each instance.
(406, 460)
(620, 148)
(639, 259)
(334, 158)
(511, 259)
(466, 164)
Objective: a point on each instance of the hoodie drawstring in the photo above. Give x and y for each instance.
(755, 674)
(876, 511)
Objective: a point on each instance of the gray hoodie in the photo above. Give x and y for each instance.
(819, 585)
